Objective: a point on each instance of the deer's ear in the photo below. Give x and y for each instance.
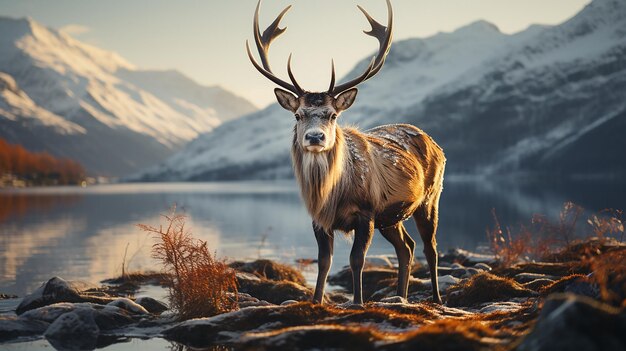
(345, 99)
(287, 100)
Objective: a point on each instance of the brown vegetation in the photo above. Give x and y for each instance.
(270, 270)
(547, 241)
(39, 168)
(485, 287)
(199, 285)
(609, 272)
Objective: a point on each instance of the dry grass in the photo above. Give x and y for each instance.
(510, 247)
(485, 287)
(609, 272)
(543, 238)
(199, 284)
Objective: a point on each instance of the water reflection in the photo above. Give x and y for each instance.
(83, 233)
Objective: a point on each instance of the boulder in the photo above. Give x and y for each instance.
(558, 269)
(128, 305)
(575, 284)
(378, 261)
(107, 317)
(374, 279)
(12, 327)
(49, 313)
(275, 292)
(482, 266)
(571, 322)
(153, 306)
(315, 337)
(76, 330)
(227, 327)
(485, 287)
(59, 290)
(270, 270)
(465, 257)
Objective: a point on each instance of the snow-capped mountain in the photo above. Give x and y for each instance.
(547, 99)
(75, 100)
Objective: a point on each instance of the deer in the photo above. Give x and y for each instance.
(354, 181)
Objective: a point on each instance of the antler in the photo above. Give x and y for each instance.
(263, 43)
(383, 34)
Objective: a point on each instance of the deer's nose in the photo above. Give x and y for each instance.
(314, 137)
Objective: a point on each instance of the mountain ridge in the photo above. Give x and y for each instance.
(130, 118)
(499, 105)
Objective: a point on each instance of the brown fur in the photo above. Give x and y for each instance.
(372, 171)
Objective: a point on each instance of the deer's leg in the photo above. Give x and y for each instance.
(324, 261)
(426, 218)
(397, 236)
(362, 239)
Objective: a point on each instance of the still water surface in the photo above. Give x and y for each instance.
(83, 233)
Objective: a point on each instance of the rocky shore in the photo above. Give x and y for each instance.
(558, 303)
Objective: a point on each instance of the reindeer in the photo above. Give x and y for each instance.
(353, 181)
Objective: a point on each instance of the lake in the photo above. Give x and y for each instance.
(84, 233)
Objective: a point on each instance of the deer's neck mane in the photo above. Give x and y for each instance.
(319, 176)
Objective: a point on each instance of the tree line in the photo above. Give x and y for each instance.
(38, 168)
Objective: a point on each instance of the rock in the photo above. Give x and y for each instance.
(107, 317)
(75, 330)
(440, 271)
(315, 337)
(459, 273)
(59, 290)
(446, 281)
(378, 261)
(457, 266)
(288, 302)
(558, 269)
(504, 306)
(49, 313)
(482, 266)
(485, 287)
(153, 306)
(257, 303)
(466, 257)
(272, 291)
(229, 326)
(576, 284)
(245, 300)
(529, 277)
(14, 327)
(390, 288)
(372, 279)
(7, 296)
(111, 317)
(570, 322)
(270, 270)
(128, 305)
(473, 271)
(394, 299)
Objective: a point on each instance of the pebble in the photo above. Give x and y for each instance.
(473, 271)
(482, 266)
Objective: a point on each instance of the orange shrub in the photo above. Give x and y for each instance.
(199, 285)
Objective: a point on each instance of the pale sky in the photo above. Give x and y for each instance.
(206, 39)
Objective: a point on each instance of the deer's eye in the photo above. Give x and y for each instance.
(297, 117)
